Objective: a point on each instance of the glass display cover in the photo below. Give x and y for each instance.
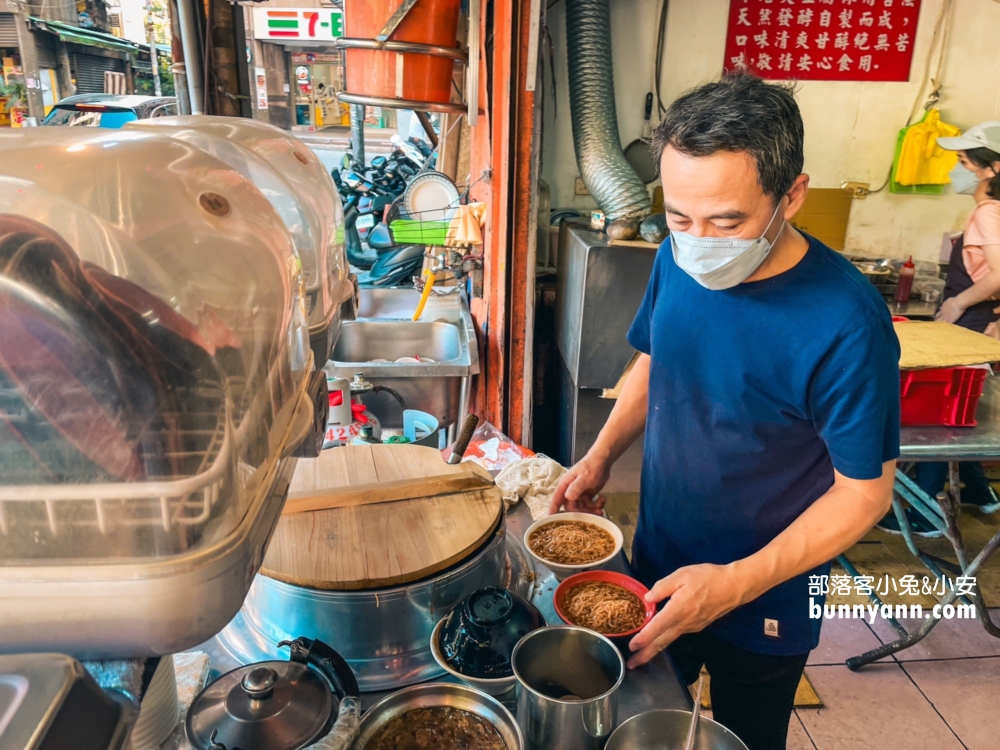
(154, 329)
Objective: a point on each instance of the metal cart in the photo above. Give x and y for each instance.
(953, 445)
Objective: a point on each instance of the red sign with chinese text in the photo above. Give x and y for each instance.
(822, 40)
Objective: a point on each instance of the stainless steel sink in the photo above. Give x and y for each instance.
(399, 304)
(384, 331)
(365, 340)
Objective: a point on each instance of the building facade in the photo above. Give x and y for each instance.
(58, 50)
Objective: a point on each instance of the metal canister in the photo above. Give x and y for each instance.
(567, 688)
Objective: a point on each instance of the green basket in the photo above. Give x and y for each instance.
(409, 232)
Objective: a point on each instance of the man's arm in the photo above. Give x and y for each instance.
(701, 594)
(578, 488)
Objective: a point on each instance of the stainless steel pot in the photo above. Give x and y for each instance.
(653, 730)
(874, 272)
(383, 634)
(567, 688)
(440, 694)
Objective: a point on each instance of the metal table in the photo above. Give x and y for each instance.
(951, 444)
(654, 685)
(916, 309)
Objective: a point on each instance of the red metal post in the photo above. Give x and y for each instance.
(521, 264)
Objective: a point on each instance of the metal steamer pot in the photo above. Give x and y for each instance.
(440, 694)
(383, 634)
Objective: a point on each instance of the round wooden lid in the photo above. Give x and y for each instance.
(372, 544)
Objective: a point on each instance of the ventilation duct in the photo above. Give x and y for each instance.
(608, 176)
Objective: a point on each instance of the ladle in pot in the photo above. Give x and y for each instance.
(695, 715)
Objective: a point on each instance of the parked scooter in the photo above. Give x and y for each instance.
(396, 265)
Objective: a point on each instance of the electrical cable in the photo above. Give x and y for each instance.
(393, 393)
(660, 46)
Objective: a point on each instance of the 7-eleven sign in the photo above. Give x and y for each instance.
(298, 24)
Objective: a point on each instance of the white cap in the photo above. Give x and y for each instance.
(984, 135)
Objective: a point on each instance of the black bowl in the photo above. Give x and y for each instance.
(478, 636)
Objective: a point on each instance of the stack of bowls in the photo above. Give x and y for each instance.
(474, 641)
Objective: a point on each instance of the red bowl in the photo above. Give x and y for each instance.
(605, 576)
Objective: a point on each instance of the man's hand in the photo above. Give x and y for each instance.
(578, 488)
(951, 310)
(699, 595)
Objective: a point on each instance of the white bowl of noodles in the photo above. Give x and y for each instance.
(569, 543)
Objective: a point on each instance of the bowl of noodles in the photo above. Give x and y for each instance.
(569, 543)
(609, 603)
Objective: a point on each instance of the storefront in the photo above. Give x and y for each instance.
(14, 79)
(296, 67)
(68, 59)
(316, 77)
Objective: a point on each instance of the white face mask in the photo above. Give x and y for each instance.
(963, 179)
(722, 262)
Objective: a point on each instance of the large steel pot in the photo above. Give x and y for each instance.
(383, 634)
(567, 688)
(653, 730)
(440, 694)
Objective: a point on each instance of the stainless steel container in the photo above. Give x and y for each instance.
(383, 634)
(668, 728)
(440, 694)
(51, 701)
(567, 688)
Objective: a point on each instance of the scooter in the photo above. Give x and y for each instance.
(396, 265)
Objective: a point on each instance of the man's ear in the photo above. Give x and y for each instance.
(797, 195)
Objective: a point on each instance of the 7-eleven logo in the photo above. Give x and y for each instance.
(283, 23)
(304, 24)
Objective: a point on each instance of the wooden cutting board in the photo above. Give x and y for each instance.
(384, 544)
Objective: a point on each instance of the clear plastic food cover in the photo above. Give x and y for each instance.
(152, 334)
(296, 183)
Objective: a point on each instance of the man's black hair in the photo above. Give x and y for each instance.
(740, 112)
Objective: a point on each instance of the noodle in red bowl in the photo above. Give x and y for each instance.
(604, 601)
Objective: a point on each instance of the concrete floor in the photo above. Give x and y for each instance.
(941, 694)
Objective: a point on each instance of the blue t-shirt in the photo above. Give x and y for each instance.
(756, 394)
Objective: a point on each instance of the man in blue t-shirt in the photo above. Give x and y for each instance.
(768, 388)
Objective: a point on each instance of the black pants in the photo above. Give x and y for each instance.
(932, 476)
(752, 694)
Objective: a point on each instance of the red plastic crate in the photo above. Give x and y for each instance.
(941, 396)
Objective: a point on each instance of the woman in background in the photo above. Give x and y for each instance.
(972, 291)
(971, 296)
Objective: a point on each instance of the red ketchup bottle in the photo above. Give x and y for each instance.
(906, 273)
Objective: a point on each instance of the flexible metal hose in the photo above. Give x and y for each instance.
(609, 178)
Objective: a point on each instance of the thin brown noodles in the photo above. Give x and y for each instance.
(571, 542)
(605, 607)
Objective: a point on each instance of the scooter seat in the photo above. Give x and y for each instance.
(379, 237)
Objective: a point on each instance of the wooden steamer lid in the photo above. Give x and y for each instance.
(371, 542)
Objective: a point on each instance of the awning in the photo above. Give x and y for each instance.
(86, 37)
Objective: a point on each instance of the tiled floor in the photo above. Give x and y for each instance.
(938, 695)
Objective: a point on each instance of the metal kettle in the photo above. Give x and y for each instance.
(311, 700)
